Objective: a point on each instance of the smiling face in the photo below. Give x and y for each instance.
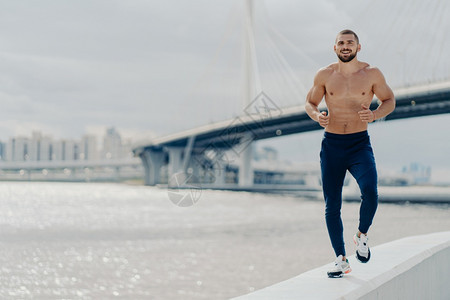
(346, 47)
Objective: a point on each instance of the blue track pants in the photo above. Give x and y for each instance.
(339, 153)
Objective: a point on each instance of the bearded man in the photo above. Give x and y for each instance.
(348, 87)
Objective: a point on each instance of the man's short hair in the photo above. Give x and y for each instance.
(348, 31)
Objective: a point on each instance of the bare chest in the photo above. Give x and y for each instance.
(357, 86)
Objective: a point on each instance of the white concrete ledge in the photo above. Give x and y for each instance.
(416, 267)
(426, 194)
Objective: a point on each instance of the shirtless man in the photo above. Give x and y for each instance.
(348, 86)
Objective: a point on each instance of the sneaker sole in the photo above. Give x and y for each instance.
(338, 274)
(362, 259)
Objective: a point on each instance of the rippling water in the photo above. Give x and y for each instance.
(114, 241)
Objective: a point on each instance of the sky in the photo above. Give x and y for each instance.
(150, 68)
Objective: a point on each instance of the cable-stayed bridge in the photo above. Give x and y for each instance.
(206, 149)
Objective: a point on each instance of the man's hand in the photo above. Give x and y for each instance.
(366, 115)
(323, 119)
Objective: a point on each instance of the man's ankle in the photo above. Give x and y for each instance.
(358, 234)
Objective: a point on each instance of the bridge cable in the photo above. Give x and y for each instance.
(287, 74)
(280, 64)
(231, 26)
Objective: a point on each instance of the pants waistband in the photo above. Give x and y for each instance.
(349, 136)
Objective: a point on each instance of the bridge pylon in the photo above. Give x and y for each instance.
(252, 84)
(246, 173)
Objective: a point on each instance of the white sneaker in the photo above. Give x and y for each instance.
(340, 268)
(362, 249)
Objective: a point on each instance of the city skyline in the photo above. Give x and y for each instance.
(41, 147)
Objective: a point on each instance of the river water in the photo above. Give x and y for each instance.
(117, 241)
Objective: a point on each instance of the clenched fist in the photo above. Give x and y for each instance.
(366, 115)
(323, 119)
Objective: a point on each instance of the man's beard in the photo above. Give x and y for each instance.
(348, 58)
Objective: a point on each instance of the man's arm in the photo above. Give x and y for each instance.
(384, 93)
(314, 98)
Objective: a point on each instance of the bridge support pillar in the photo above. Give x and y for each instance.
(219, 176)
(153, 161)
(180, 157)
(245, 167)
(176, 162)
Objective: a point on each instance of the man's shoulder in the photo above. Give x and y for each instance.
(370, 69)
(326, 71)
(374, 73)
(330, 68)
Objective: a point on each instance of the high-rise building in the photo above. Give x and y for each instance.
(112, 145)
(87, 149)
(63, 150)
(2, 151)
(58, 150)
(127, 148)
(34, 146)
(17, 149)
(45, 149)
(39, 147)
(69, 150)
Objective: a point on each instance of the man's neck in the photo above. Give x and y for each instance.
(348, 67)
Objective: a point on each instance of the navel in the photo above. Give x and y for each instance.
(331, 93)
(363, 93)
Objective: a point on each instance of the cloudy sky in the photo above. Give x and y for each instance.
(151, 68)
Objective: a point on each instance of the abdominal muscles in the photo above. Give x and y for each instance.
(345, 121)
